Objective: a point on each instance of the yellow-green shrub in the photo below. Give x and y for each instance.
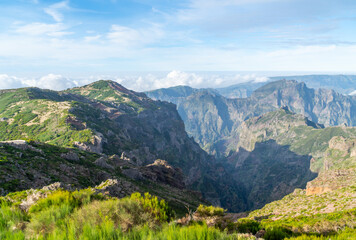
(210, 210)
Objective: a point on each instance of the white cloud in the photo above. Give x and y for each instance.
(353, 93)
(54, 10)
(250, 77)
(50, 81)
(152, 81)
(176, 78)
(8, 82)
(126, 36)
(37, 29)
(123, 35)
(137, 82)
(92, 38)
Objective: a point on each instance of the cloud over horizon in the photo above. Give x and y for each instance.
(136, 82)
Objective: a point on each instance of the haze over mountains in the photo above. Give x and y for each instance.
(211, 118)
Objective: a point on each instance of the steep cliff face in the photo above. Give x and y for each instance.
(280, 151)
(322, 106)
(344, 84)
(332, 191)
(213, 119)
(339, 167)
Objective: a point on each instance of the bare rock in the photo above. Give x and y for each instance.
(70, 156)
(32, 199)
(22, 145)
(58, 185)
(161, 171)
(133, 173)
(116, 188)
(102, 162)
(96, 145)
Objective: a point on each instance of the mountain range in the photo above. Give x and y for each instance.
(282, 143)
(212, 118)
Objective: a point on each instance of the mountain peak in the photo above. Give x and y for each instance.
(108, 90)
(104, 84)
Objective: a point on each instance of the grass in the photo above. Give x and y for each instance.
(87, 215)
(84, 214)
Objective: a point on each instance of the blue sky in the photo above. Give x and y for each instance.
(90, 38)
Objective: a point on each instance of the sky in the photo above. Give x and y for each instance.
(160, 43)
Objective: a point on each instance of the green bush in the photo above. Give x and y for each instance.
(124, 213)
(277, 233)
(210, 211)
(159, 209)
(248, 226)
(61, 197)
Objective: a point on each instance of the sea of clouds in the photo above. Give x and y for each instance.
(135, 81)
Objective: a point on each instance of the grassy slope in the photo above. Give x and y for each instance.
(105, 91)
(41, 115)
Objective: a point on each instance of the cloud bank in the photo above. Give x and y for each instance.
(137, 82)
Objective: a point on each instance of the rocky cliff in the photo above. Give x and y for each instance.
(212, 119)
(280, 151)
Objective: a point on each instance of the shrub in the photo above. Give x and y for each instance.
(61, 197)
(210, 211)
(124, 213)
(159, 209)
(277, 233)
(248, 226)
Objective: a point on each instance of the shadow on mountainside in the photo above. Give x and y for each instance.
(269, 172)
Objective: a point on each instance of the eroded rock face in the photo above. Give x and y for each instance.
(102, 162)
(116, 188)
(96, 145)
(35, 195)
(331, 180)
(161, 171)
(133, 173)
(71, 156)
(339, 167)
(347, 146)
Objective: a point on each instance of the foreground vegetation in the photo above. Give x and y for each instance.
(85, 214)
